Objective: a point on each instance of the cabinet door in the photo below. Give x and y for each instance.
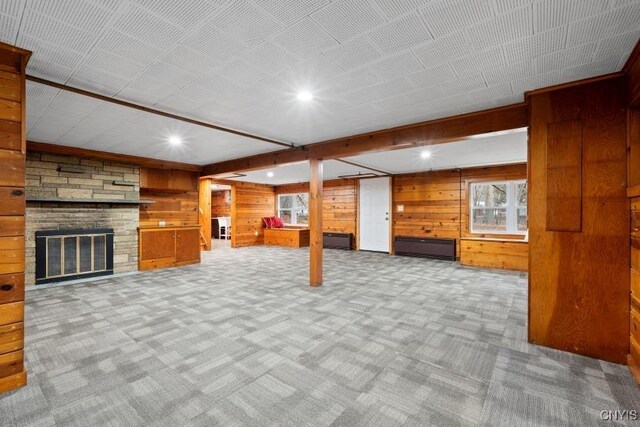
(187, 246)
(157, 249)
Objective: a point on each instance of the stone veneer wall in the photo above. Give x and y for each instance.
(45, 181)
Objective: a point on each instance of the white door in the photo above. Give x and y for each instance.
(374, 214)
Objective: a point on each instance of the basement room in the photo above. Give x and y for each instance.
(319, 213)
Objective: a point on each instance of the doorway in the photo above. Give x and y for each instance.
(374, 214)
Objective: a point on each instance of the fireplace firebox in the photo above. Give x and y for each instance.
(73, 254)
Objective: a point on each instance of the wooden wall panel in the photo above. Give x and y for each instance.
(339, 204)
(564, 176)
(435, 204)
(13, 62)
(494, 253)
(249, 203)
(175, 194)
(219, 205)
(204, 213)
(579, 281)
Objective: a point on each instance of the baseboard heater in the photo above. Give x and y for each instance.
(337, 240)
(426, 247)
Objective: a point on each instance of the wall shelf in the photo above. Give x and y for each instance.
(90, 201)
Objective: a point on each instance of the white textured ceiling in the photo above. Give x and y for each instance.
(300, 172)
(482, 150)
(372, 64)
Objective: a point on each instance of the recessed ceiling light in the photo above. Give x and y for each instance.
(425, 154)
(175, 140)
(305, 96)
(270, 174)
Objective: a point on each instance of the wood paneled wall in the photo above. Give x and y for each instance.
(219, 205)
(249, 203)
(175, 196)
(339, 204)
(435, 204)
(12, 216)
(579, 279)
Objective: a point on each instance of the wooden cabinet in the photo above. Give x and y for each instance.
(290, 237)
(162, 247)
(168, 179)
(505, 254)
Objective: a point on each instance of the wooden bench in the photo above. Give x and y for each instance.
(505, 254)
(290, 237)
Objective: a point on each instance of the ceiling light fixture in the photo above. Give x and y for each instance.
(270, 174)
(175, 140)
(305, 96)
(425, 154)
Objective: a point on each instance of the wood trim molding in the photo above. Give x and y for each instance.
(633, 57)
(431, 132)
(103, 155)
(152, 110)
(631, 71)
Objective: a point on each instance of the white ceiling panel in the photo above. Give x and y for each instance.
(484, 151)
(371, 64)
(300, 172)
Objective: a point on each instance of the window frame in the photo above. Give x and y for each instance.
(292, 209)
(511, 207)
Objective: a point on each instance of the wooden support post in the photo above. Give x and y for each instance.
(315, 223)
(204, 212)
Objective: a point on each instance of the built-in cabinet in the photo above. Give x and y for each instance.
(162, 247)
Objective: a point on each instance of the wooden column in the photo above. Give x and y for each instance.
(13, 62)
(204, 212)
(315, 223)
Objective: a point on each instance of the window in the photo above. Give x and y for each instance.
(294, 208)
(499, 207)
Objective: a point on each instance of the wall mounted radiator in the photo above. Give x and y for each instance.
(337, 240)
(426, 247)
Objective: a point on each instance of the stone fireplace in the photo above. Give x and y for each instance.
(72, 193)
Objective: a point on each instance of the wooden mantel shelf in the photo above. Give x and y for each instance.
(95, 201)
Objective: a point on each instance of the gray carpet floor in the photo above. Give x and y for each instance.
(241, 339)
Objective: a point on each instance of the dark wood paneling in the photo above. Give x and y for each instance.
(564, 176)
(632, 76)
(579, 281)
(12, 201)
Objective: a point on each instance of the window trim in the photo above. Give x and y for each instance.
(511, 207)
(294, 215)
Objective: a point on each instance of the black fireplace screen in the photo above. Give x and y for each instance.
(73, 254)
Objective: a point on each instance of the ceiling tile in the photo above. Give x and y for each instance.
(148, 28)
(605, 25)
(552, 13)
(464, 85)
(128, 47)
(440, 74)
(444, 49)
(354, 53)
(183, 13)
(621, 45)
(214, 44)
(244, 21)
(473, 64)
(503, 6)
(191, 60)
(395, 8)
(537, 81)
(13, 8)
(448, 16)
(241, 73)
(46, 28)
(513, 71)
(290, 11)
(270, 57)
(504, 28)
(565, 58)
(305, 39)
(345, 19)
(396, 66)
(380, 91)
(79, 13)
(8, 29)
(536, 45)
(401, 34)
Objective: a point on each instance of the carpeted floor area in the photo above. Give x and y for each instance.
(241, 339)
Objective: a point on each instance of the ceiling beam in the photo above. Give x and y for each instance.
(426, 133)
(154, 111)
(114, 157)
(358, 165)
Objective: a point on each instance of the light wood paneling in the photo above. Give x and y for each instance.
(13, 62)
(221, 203)
(249, 204)
(175, 194)
(315, 222)
(339, 204)
(204, 213)
(579, 281)
(187, 246)
(494, 253)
